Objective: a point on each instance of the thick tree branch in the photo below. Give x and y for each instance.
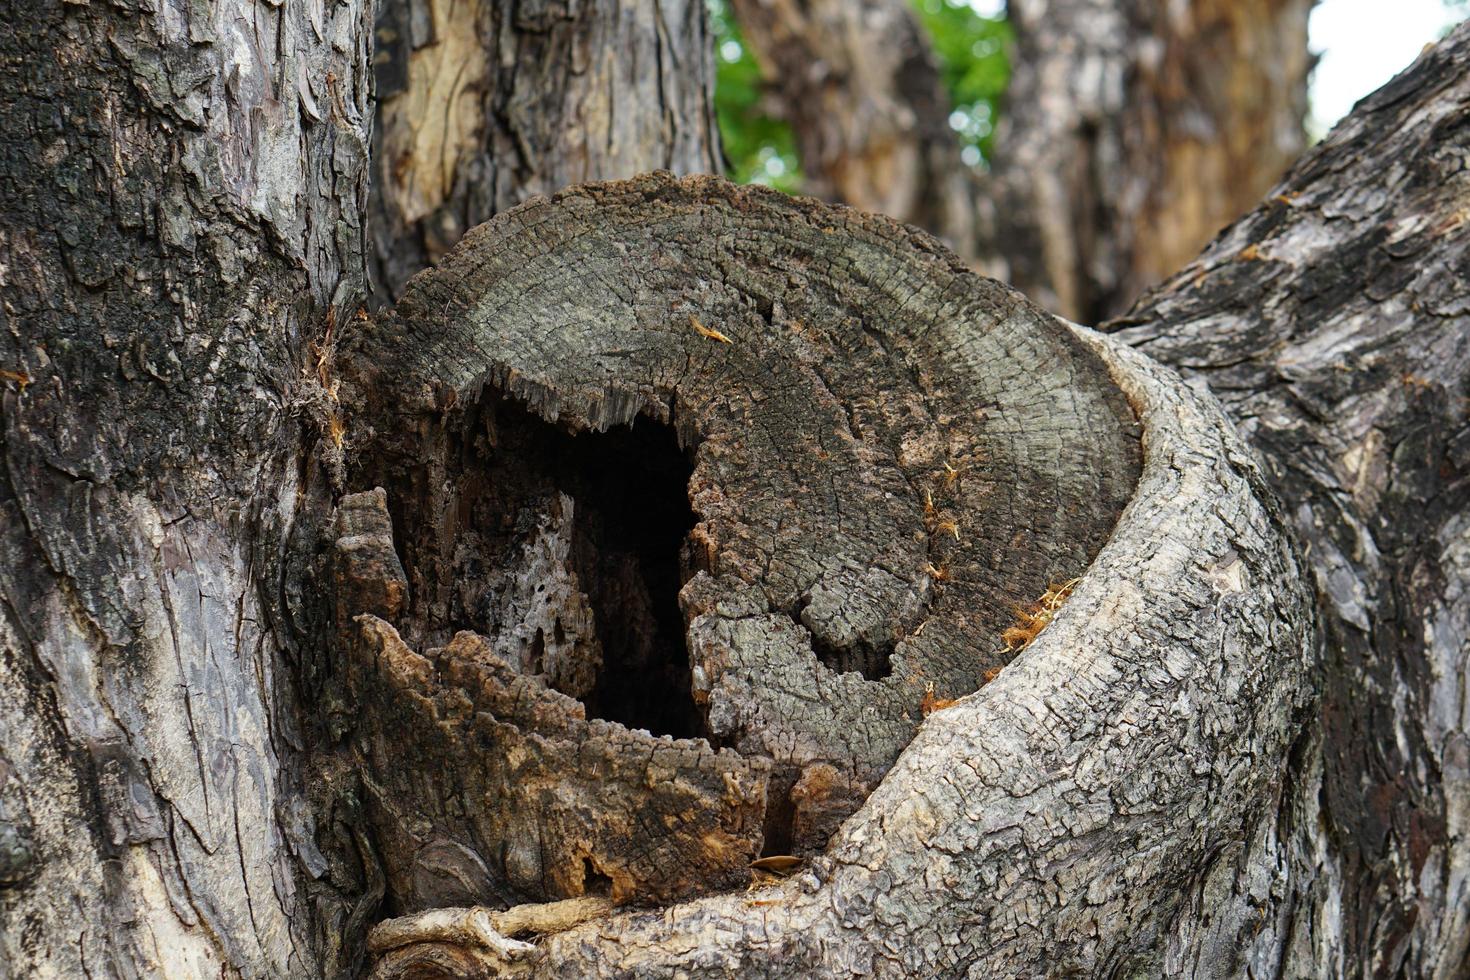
(1118, 757)
(1333, 325)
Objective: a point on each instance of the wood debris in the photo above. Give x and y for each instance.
(709, 332)
(1030, 622)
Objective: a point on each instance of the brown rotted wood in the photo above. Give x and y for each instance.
(885, 457)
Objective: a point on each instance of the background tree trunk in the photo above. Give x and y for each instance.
(858, 84)
(484, 103)
(1132, 132)
(181, 200)
(1333, 325)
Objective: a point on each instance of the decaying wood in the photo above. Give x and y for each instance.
(1333, 324)
(886, 457)
(484, 103)
(1068, 813)
(512, 792)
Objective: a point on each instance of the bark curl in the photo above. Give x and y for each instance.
(1065, 812)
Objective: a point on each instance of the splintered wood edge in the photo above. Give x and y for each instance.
(1112, 758)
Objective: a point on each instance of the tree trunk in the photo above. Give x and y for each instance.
(801, 628)
(1332, 324)
(485, 103)
(1134, 130)
(859, 87)
(181, 196)
(1358, 255)
(210, 684)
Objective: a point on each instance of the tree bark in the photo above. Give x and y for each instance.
(181, 194)
(1134, 130)
(760, 328)
(485, 103)
(1332, 324)
(762, 331)
(187, 786)
(859, 86)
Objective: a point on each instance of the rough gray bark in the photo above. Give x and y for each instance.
(485, 103)
(1134, 130)
(181, 193)
(856, 81)
(180, 212)
(1332, 322)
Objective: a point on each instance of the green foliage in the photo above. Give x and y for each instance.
(760, 148)
(974, 61)
(973, 51)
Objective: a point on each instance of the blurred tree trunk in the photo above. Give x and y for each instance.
(484, 103)
(859, 86)
(1133, 130)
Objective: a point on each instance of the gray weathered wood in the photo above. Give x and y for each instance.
(1064, 817)
(181, 192)
(1332, 322)
(889, 456)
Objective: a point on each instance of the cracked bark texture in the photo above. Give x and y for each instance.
(887, 455)
(485, 103)
(181, 191)
(1067, 817)
(180, 199)
(1332, 323)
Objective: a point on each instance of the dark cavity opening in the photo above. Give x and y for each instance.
(594, 882)
(630, 519)
(873, 663)
(779, 826)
